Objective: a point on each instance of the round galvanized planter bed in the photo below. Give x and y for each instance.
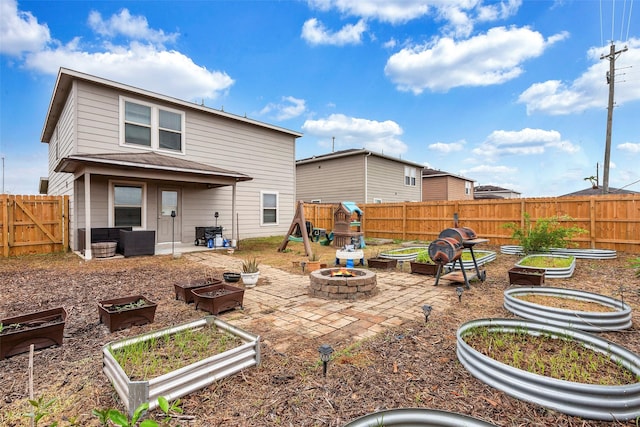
(404, 254)
(591, 321)
(589, 401)
(552, 272)
(482, 257)
(576, 252)
(418, 417)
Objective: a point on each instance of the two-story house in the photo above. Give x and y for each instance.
(495, 192)
(130, 157)
(358, 175)
(441, 185)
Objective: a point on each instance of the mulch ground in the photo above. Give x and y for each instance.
(414, 365)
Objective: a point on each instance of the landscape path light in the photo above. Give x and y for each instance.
(427, 311)
(325, 351)
(459, 291)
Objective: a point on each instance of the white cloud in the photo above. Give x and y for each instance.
(20, 31)
(134, 27)
(315, 33)
(289, 108)
(629, 147)
(446, 148)
(490, 169)
(460, 15)
(487, 59)
(589, 90)
(523, 142)
(143, 62)
(353, 132)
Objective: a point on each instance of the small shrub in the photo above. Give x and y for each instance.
(314, 257)
(545, 234)
(635, 264)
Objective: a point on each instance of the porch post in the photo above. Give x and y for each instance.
(87, 216)
(233, 213)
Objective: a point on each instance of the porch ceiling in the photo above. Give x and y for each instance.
(125, 164)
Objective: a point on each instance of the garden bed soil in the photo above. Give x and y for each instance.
(410, 365)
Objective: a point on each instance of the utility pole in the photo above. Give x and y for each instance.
(611, 77)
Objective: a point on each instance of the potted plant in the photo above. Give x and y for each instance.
(314, 262)
(250, 272)
(121, 313)
(423, 264)
(383, 263)
(42, 328)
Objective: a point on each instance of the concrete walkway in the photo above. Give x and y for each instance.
(280, 302)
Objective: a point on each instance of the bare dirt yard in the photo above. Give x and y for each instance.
(412, 365)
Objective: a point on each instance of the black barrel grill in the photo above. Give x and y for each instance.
(448, 247)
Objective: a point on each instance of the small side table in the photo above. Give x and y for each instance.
(349, 256)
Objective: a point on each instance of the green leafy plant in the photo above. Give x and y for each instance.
(121, 419)
(545, 234)
(40, 409)
(424, 257)
(250, 265)
(314, 257)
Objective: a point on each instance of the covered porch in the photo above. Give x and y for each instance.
(157, 197)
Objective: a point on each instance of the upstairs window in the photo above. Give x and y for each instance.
(467, 188)
(409, 176)
(150, 126)
(269, 208)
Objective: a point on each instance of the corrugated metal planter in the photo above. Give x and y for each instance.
(186, 379)
(591, 321)
(576, 252)
(482, 257)
(551, 272)
(417, 417)
(589, 401)
(404, 254)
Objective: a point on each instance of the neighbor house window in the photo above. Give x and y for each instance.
(467, 188)
(376, 200)
(127, 205)
(410, 176)
(316, 201)
(269, 208)
(151, 126)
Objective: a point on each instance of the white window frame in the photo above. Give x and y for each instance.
(377, 200)
(409, 176)
(155, 126)
(467, 188)
(143, 212)
(262, 208)
(316, 201)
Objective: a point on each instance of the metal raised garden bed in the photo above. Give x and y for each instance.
(184, 380)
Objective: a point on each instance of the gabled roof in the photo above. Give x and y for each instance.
(149, 161)
(598, 191)
(353, 152)
(65, 80)
(432, 173)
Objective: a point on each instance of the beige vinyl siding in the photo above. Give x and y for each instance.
(334, 180)
(434, 189)
(265, 154)
(386, 181)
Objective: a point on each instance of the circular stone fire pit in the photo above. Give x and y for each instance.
(332, 283)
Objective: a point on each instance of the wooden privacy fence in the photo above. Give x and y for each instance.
(33, 224)
(611, 221)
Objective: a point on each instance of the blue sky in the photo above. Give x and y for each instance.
(509, 93)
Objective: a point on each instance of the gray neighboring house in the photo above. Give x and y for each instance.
(128, 156)
(494, 192)
(597, 191)
(357, 175)
(440, 185)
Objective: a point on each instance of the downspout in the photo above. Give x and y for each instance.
(366, 178)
